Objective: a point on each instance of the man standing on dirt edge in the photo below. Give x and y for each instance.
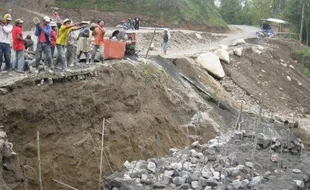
(18, 46)
(62, 41)
(98, 34)
(71, 50)
(53, 38)
(43, 32)
(5, 48)
(165, 43)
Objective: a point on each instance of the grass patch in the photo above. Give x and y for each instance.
(176, 12)
(303, 57)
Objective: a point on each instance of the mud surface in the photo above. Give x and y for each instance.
(273, 73)
(138, 103)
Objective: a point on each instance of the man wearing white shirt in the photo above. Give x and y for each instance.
(5, 47)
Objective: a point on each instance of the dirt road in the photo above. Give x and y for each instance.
(195, 45)
(182, 43)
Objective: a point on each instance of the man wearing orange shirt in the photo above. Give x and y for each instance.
(98, 34)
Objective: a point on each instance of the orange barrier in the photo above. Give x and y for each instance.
(114, 49)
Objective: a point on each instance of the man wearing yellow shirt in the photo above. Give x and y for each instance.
(62, 41)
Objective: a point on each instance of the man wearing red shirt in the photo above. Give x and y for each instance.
(18, 46)
(53, 37)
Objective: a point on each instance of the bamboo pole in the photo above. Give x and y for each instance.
(65, 185)
(147, 53)
(257, 125)
(39, 160)
(100, 166)
(106, 158)
(237, 127)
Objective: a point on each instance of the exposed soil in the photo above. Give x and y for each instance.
(253, 75)
(138, 103)
(265, 74)
(141, 103)
(192, 70)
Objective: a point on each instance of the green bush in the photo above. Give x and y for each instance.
(173, 11)
(306, 71)
(303, 57)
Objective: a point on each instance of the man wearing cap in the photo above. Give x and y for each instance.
(5, 48)
(43, 32)
(18, 46)
(62, 41)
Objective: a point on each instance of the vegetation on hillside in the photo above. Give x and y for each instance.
(251, 12)
(176, 12)
(303, 57)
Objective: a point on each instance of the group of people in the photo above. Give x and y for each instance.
(51, 36)
(131, 24)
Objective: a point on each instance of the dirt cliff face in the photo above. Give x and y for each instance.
(138, 103)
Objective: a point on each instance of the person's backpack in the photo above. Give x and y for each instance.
(84, 33)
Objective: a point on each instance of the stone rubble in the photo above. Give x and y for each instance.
(201, 166)
(239, 41)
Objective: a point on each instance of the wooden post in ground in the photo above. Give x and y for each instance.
(100, 166)
(65, 185)
(147, 53)
(39, 160)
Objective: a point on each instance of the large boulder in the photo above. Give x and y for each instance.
(238, 41)
(198, 36)
(258, 49)
(223, 55)
(211, 63)
(225, 47)
(238, 51)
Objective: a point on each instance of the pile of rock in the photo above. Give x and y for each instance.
(293, 145)
(197, 167)
(278, 144)
(9, 163)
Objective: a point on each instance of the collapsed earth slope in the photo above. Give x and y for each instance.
(141, 104)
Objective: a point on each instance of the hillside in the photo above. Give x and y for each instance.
(194, 14)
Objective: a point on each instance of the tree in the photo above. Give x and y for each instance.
(302, 21)
(230, 11)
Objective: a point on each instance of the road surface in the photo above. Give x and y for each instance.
(238, 32)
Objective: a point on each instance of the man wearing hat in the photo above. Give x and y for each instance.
(43, 32)
(53, 37)
(18, 46)
(5, 48)
(62, 41)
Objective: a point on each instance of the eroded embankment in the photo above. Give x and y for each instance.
(138, 103)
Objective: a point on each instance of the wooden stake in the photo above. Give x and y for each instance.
(106, 158)
(65, 185)
(100, 166)
(187, 136)
(39, 160)
(257, 125)
(147, 53)
(237, 124)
